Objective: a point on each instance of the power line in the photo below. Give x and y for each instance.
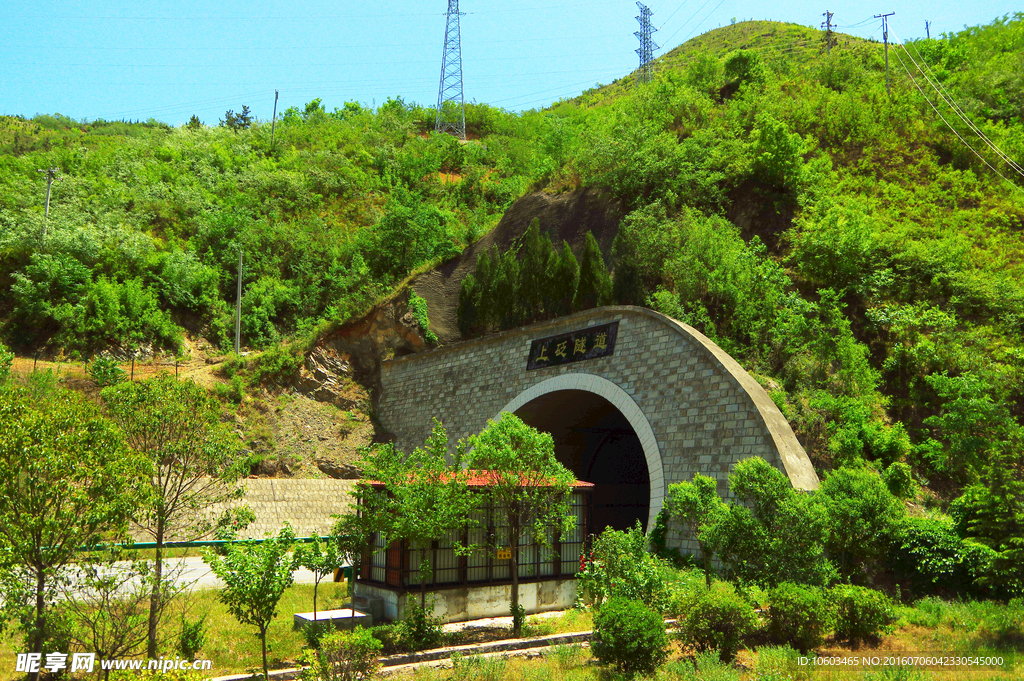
(948, 99)
(954, 130)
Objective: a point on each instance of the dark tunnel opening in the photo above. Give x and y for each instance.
(595, 441)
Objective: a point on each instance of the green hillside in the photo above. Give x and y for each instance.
(846, 245)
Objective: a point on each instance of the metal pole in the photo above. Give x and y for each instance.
(238, 304)
(51, 175)
(273, 123)
(885, 37)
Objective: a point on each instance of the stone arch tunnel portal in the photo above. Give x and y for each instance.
(595, 441)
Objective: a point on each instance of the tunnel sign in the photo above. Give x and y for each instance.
(590, 343)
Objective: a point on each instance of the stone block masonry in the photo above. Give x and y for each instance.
(692, 406)
(307, 504)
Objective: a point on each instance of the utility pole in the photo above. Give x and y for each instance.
(927, 30)
(273, 123)
(646, 49)
(885, 37)
(451, 107)
(51, 175)
(238, 305)
(827, 25)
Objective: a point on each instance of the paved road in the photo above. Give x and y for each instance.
(197, 574)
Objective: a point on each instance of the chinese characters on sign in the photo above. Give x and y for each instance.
(590, 343)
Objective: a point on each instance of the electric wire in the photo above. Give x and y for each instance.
(954, 130)
(947, 98)
(699, 24)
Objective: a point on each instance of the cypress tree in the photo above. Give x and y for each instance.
(507, 307)
(595, 284)
(565, 277)
(533, 272)
(627, 285)
(469, 303)
(485, 290)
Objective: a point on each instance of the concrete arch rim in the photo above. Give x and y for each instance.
(626, 405)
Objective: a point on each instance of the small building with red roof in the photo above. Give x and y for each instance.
(478, 584)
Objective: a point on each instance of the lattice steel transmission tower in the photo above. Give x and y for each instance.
(647, 48)
(451, 107)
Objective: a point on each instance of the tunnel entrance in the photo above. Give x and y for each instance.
(596, 442)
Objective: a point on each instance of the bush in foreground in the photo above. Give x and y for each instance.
(717, 618)
(344, 656)
(862, 614)
(630, 636)
(798, 615)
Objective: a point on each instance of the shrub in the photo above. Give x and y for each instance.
(6, 359)
(388, 635)
(620, 565)
(314, 632)
(420, 630)
(862, 614)
(344, 656)
(104, 371)
(929, 558)
(192, 637)
(630, 636)
(797, 615)
(899, 480)
(717, 618)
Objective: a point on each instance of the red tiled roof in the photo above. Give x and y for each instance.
(483, 478)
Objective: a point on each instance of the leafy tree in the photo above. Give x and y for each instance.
(776, 534)
(484, 294)
(969, 423)
(322, 557)
(527, 485)
(862, 515)
(628, 285)
(777, 154)
(255, 574)
(106, 603)
(194, 123)
(595, 284)
(743, 67)
(67, 480)
(425, 496)
(176, 426)
(696, 504)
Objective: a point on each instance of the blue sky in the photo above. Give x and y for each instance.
(147, 59)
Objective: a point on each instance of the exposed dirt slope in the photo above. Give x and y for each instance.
(565, 217)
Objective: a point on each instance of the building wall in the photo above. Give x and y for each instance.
(693, 407)
(475, 602)
(307, 504)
